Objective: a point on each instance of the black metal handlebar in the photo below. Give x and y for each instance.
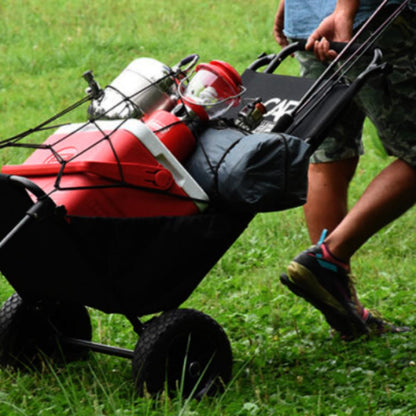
(274, 60)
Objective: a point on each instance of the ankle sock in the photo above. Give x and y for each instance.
(328, 256)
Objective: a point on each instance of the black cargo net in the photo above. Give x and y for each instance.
(105, 137)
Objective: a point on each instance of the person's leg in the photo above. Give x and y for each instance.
(390, 103)
(333, 163)
(327, 199)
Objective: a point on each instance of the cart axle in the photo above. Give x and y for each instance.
(101, 348)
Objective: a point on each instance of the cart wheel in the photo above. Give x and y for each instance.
(182, 351)
(26, 331)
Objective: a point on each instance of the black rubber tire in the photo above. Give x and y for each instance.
(28, 334)
(184, 351)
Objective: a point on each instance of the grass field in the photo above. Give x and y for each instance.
(285, 362)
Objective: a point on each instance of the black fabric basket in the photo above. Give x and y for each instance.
(118, 265)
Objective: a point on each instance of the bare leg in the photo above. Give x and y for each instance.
(327, 202)
(389, 195)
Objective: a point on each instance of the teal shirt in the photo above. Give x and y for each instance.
(302, 17)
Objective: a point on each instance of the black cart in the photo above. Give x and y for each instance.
(136, 267)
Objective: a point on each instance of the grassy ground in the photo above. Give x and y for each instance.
(285, 362)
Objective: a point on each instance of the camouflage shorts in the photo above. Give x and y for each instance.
(389, 102)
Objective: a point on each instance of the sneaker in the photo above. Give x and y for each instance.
(328, 286)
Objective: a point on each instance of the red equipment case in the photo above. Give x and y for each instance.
(116, 168)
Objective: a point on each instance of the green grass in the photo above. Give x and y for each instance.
(285, 361)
